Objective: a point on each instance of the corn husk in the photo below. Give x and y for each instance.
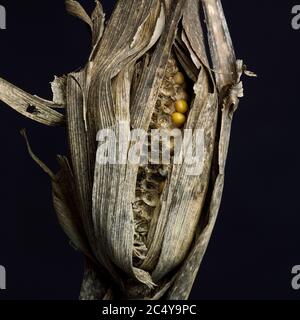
(143, 230)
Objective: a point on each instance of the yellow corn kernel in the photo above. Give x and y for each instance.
(178, 119)
(181, 106)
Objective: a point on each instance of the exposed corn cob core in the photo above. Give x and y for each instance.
(152, 177)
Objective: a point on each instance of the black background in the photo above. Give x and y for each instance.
(255, 242)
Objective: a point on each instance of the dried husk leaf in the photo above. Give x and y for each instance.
(76, 10)
(30, 106)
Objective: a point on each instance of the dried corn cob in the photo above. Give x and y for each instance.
(152, 178)
(143, 229)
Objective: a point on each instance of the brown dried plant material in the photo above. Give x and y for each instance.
(142, 229)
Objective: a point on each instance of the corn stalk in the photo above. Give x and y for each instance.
(143, 230)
